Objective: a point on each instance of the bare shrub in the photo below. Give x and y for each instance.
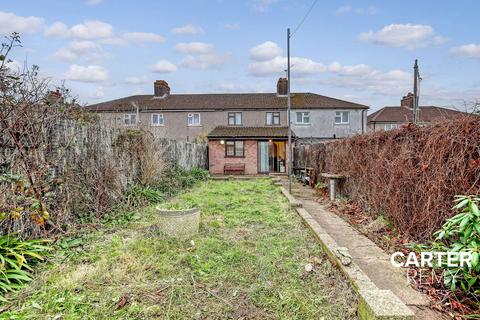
(410, 175)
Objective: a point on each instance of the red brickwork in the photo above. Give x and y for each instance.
(217, 159)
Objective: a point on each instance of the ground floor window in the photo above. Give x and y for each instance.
(234, 148)
(390, 126)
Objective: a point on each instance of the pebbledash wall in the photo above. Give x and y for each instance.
(217, 159)
(175, 122)
(322, 122)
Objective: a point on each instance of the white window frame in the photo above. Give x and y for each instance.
(127, 119)
(273, 116)
(159, 116)
(340, 115)
(191, 116)
(235, 122)
(390, 126)
(305, 114)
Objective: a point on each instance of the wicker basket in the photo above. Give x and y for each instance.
(179, 223)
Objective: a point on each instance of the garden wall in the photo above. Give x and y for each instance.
(409, 175)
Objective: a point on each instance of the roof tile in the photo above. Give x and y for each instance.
(224, 102)
(249, 132)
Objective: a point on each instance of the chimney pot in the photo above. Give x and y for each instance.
(161, 89)
(282, 87)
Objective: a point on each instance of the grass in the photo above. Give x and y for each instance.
(248, 261)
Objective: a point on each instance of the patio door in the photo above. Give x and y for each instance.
(271, 156)
(263, 157)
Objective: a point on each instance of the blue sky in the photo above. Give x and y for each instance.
(361, 51)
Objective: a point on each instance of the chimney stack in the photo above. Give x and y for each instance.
(54, 97)
(407, 101)
(282, 87)
(161, 89)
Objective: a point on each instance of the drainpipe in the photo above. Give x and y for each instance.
(363, 121)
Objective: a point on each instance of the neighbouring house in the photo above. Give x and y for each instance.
(391, 117)
(242, 128)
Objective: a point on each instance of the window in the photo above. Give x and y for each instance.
(157, 119)
(272, 118)
(390, 126)
(193, 119)
(302, 117)
(130, 119)
(234, 118)
(234, 148)
(342, 117)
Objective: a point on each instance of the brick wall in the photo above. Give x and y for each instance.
(217, 160)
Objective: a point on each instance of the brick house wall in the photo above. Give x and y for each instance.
(217, 159)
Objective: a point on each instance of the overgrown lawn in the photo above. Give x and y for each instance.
(247, 262)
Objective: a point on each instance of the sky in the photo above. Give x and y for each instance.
(361, 51)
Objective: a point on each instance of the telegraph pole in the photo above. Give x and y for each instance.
(415, 92)
(289, 106)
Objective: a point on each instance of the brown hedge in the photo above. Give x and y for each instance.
(409, 175)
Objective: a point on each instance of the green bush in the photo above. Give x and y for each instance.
(138, 195)
(461, 233)
(17, 258)
(175, 179)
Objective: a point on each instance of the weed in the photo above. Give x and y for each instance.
(246, 262)
(17, 258)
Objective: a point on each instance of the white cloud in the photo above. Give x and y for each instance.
(363, 77)
(263, 5)
(194, 47)
(300, 67)
(86, 73)
(14, 66)
(210, 60)
(469, 50)
(265, 51)
(231, 26)
(188, 29)
(93, 2)
(98, 94)
(88, 30)
(65, 54)
(370, 10)
(136, 80)
(88, 50)
(142, 37)
(410, 36)
(164, 66)
(241, 87)
(92, 30)
(10, 22)
(57, 30)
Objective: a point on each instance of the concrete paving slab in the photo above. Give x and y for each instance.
(370, 268)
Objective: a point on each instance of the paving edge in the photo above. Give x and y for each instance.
(293, 202)
(374, 303)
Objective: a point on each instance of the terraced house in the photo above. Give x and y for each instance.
(247, 130)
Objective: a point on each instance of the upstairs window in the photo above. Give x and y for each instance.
(130, 119)
(272, 119)
(234, 118)
(234, 148)
(193, 119)
(342, 117)
(157, 119)
(302, 118)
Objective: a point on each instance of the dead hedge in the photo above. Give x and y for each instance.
(409, 175)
